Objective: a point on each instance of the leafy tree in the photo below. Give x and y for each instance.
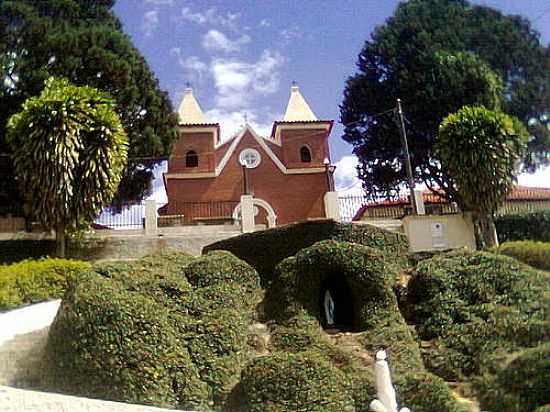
(83, 41)
(437, 56)
(69, 153)
(481, 150)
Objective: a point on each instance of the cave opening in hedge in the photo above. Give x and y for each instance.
(336, 305)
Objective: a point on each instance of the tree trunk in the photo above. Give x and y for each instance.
(60, 240)
(488, 230)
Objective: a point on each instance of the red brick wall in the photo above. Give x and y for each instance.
(202, 143)
(293, 197)
(293, 140)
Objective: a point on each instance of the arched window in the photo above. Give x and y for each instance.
(305, 154)
(191, 159)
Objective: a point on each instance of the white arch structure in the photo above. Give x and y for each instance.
(271, 216)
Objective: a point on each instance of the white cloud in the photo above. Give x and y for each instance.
(291, 33)
(231, 121)
(212, 17)
(215, 40)
(265, 23)
(345, 176)
(150, 22)
(541, 178)
(238, 82)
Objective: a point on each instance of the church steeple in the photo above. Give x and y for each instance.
(297, 109)
(189, 111)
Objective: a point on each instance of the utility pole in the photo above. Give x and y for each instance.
(407, 156)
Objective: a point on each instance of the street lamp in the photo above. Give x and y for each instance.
(329, 170)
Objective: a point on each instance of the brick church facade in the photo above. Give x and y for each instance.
(288, 173)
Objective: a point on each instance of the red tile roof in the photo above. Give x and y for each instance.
(518, 193)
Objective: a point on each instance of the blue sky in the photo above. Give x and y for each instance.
(241, 56)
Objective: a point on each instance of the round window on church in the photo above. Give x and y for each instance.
(250, 158)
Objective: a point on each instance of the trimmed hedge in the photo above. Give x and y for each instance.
(363, 269)
(525, 226)
(536, 254)
(298, 284)
(33, 281)
(295, 382)
(522, 385)
(142, 332)
(264, 250)
(479, 309)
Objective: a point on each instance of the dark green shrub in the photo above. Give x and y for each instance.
(144, 321)
(295, 382)
(221, 267)
(525, 226)
(362, 269)
(522, 385)
(479, 308)
(264, 250)
(112, 343)
(536, 254)
(33, 281)
(425, 392)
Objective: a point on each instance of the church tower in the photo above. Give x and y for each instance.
(194, 151)
(302, 136)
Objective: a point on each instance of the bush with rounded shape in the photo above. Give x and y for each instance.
(522, 385)
(111, 343)
(295, 382)
(361, 268)
(33, 281)
(141, 332)
(536, 254)
(221, 267)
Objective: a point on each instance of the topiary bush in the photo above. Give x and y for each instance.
(33, 281)
(303, 279)
(520, 386)
(536, 254)
(299, 284)
(264, 250)
(143, 332)
(524, 226)
(295, 382)
(112, 343)
(477, 309)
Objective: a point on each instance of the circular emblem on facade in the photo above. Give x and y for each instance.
(250, 158)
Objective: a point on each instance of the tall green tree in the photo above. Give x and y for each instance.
(481, 150)
(437, 56)
(83, 41)
(69, 152)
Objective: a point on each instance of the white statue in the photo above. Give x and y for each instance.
(385, 392)
(329, 308)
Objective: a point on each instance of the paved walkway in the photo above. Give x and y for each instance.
(17, 400)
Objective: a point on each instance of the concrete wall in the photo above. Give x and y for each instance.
(433, 232)
(11, 224)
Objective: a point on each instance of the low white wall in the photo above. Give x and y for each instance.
(439, 232)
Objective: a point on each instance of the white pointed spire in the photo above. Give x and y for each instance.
(189, 111)
(297, 109)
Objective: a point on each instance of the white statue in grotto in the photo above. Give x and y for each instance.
(385, 392)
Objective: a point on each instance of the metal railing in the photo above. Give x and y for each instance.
(349, 206)
(177, 213)
(128, 216)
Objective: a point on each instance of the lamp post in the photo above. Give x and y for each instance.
(329, 170)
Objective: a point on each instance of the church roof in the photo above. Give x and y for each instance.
(297, 109)
(190, 113)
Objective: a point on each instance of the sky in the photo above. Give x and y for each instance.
(241, 56)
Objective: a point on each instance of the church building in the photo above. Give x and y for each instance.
(288, 173)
